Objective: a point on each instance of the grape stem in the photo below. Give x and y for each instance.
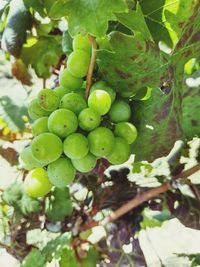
(146, 196)
(91, 66)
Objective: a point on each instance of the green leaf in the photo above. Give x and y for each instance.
(59, 205)
(12, 113)
(28, 205)
(3, 5)
(18, 22)
(167, 18)
(91, 258)
(135, 21)
(34, 258)
(42, 54)
(68, 259)
(67, 43)
(13, 193)
(158, 123)
(88, 16)
(36, 5)
(54, 247)
(133, 63)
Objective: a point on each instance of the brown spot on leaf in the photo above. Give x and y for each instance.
(194, 122)
(195, 37)
(133, 57)
(123, 74)
(146, 79)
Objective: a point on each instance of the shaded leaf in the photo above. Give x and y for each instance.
(28, 205)
(12, 194)
(9, 154)
(34, 258)
(68, 258)
(93, 16)
(21, 73)
(18, 22)
(12, 114)
(133, 63)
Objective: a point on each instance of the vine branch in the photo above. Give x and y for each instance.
(91, 66)
(143, 197)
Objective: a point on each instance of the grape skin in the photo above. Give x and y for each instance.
(120, 111)
(66, 79)
(100, 101)
(101, 141)
(61, 172)
(89, 119)
(37, 183)
(46, 147)
(101, 85)
(40, 126)
(76, 146)
(126, 130)
(81, 42)
(48, 99)
(85, 164)
(120, 152)
(27, 159)
(62, 122)
(78, 63)
(73, 102)
(35, 111)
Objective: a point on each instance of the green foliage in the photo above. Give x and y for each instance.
(59, 205)
(17, 23)
(34, 258)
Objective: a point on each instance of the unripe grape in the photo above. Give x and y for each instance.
(73, 102)
(100, 101)
(78, 63)
(82, 42)
(76, 146)
(101, 141)
(61, 91)
(62, 122)
(46, 147)
(61, 172)
(35, 111)
(85, 164)
(127, 131)
(37, 183)
(89, 119)
(101, 85)
(48, 99)
(120, 111)
(120, 152)
(40, 126)
(27, 160)
(66, 79)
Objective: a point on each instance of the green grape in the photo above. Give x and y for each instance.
(85, 164)
(61, 91)
(76, 146)
(73, 102)
(89, 119)
(101, 85)
(100, 101)
(120, 111)
(127, 131)
(101, 141)
(82, 42)
(120, 152)
(46, 147)
(35, 111)
(66, 79)
(78, 63)
(62, 122)
(40, 126)
(27, 160)
(61, 172)
(37, 183)
(48, 100)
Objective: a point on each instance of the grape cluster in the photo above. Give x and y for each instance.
(71, 133)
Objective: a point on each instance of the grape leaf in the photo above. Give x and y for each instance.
(33, 259)
(68, 259)
(158, 122)
(194, 258)
(42, 54)
(12, 194)
(59, 205)
(54, 247)
(3, 5)
(88, 16)
(135, 21)
(21, 73)
(28, 205)
(18, 22)
(36, 5)
(9, 154)
(12, 114)
(167, 18)
(133, 63)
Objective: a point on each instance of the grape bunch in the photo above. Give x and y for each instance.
(71, 133)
